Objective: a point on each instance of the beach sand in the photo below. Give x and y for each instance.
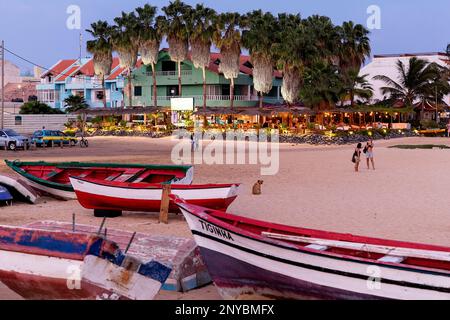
(405, 198)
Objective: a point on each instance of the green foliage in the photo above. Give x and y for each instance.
(420, 80)
(429, 124)
(74, 104)
(36, 107)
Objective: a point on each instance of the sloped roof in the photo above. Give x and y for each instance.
(117, 70)
(67, 73)
(59, 67)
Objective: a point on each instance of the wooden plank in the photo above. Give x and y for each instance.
(165, 201)
(391, 251)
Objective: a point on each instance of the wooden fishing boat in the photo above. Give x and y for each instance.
(250, 257)
(19, 189)
(121, 196)
(43, 264)
(53, 178)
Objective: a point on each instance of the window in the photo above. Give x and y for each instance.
(168, 66)
(137, 91)
(18, 120)
(172, 91)
(2, 134)
(99, 95)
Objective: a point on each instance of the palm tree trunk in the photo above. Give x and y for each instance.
(232, 93)
(205, 121)
(104, 92)
(260, 100)
(179, 79)
(352, 99)
(155, 88)
(130, 88)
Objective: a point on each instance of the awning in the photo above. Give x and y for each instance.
(121, 111)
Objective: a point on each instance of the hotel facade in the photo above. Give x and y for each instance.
(76, 77)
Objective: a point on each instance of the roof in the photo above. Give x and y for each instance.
(67, 73)
(59, 67)
(428, 106)
(117, 70)
(409, 55)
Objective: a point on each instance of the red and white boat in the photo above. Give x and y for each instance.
(49, 178)
(122, 196)
(249, 257)
(43, 264)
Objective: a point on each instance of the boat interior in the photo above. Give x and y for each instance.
(378, 250)
(60, 174)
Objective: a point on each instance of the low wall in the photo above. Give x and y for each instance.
(28, 123)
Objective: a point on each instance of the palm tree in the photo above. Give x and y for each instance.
(125, 40)
(355, 85)
(320, 31)
(259, 38)
(201, 33)
(414, 82)
(175, 27)
(227, 37)
(101, 48)
(321, 85)
(354, 45)
(287, 49)
(149, 42)
(75, 103)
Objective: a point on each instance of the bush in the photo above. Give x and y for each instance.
(36, 107)
(429, 124)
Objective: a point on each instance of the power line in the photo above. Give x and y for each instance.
(45, 68)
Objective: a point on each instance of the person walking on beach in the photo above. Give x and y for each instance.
(356, 159)
(448, 129)
(368, 150)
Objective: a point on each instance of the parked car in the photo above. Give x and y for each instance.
(46, 137)
(9, 139)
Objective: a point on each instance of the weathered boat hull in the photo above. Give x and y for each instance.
(102, 195)
(20, 189)
(52, 179)
(241, 264)
(39, 264)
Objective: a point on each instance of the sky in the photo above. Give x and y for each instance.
(37, 29)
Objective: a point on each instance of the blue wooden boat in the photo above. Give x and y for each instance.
(5, 195)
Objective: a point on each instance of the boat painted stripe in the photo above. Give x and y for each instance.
(38, 265)
(157, 186)
(321, 269)
(68, 195)
(324, 255)
(152, 194)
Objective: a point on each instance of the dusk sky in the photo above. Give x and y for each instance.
(36, 29)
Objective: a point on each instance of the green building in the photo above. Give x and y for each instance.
(218, 88)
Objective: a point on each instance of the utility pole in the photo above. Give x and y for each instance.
(3, 83)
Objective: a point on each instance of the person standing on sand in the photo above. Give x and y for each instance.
(368, 150)
(448, 129)
(356, 159)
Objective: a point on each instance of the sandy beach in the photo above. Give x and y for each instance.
(405, 198)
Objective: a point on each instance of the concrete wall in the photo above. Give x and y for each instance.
(27, 124)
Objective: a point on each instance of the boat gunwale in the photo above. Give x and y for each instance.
(153, 186)
(15, 165)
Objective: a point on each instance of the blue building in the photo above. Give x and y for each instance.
(76, 77)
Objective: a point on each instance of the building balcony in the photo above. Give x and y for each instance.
(73, 84)
(170, 73)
